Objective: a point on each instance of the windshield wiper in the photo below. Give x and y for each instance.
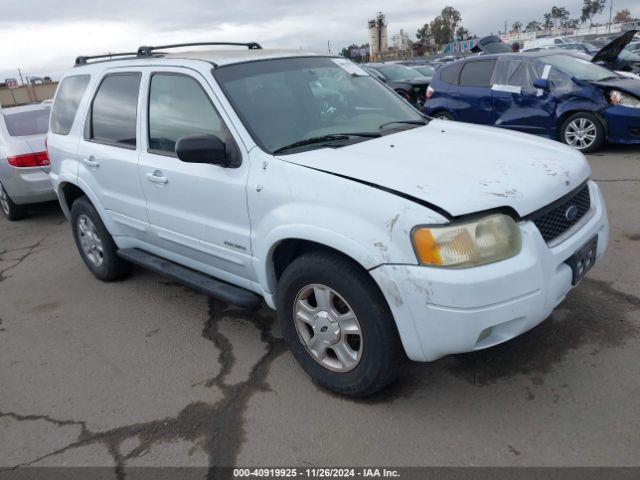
(325, 138)
(409, 122)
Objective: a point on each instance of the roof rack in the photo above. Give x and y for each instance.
(83, 60)
(148, 51)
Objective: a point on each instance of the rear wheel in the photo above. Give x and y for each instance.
(95, 244)
(338, 325)
(583, 131)
(10, 210)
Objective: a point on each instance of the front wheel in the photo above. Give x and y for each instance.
(338, 325)
(583, 131)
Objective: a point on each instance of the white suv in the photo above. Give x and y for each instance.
(300, 179)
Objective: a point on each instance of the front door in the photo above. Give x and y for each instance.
(517, 104)
(197, 211)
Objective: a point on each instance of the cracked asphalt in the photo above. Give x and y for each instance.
(147, 372)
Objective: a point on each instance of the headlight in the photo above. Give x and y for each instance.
(467, 244)
(624, 99)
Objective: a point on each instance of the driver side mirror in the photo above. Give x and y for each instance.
(202, 149)
(542, 84)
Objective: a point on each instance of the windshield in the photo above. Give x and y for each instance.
(578, 68)
(425, 70)
(283, 101)
(398, 73)
(31, 122)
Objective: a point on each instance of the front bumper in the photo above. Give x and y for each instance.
(28, 185)
(623, 124)
(443, 311)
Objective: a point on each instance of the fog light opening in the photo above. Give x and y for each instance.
(484, 334)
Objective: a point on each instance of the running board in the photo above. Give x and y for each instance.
(196, 280)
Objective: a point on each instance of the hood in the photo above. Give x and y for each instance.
(491, 44)
(458, 167)
(609, 53)
(626, 84)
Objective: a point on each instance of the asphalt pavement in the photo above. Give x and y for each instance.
(147, 372)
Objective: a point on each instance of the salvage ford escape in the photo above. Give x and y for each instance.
(300, 179)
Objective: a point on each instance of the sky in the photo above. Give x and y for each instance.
(43, 37)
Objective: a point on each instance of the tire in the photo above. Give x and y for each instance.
(377, 347)
(583, 131)
(10, 210)
(95, 244)
(442, 115)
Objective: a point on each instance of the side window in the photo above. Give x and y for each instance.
(112, 118)
(67, 102)
(178, 107)
(450, 73)
(477, 74)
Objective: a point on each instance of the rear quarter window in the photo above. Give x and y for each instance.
(477, 73)
(450, 73)
(67, 101)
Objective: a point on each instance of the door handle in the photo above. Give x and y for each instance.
(91, 162)
(157, 177)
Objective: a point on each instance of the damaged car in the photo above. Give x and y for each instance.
(375, 232)
(561, 96)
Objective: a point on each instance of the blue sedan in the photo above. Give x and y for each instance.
(561, 96)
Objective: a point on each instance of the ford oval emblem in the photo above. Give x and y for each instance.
(571, 213)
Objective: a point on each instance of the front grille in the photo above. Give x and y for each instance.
(553, 220)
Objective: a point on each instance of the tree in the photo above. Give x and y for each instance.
(444, 26)
(623, 16)
(533, 26)
(462, 33)
(559, 15)
(548, 22)
(591, 8)
(516, 27)
(424, 33)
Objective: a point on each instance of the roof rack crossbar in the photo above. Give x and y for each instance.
(146, 51)
(83, 60)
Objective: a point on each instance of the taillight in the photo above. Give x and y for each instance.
(39, 159)
(430, 91)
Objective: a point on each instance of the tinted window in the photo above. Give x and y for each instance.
(113, 112)
(178, 107)
(477, 74)
(450, 73)
(67, 101)
(32, 122)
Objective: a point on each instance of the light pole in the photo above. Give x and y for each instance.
(610, 14)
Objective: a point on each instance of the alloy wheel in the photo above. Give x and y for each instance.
(90, 240)
(328, 328)
(581, 133)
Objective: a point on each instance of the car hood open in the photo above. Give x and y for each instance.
(626, 84)
(609, 53)
(460, 168)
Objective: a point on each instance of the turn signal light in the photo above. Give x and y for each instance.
(38, 159)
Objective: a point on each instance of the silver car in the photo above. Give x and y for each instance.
(24, 163)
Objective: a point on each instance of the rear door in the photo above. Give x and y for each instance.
(517, 104)
(108, 151)
(472, 98)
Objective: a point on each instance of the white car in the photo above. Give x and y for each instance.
(299, 179)
(24, 164)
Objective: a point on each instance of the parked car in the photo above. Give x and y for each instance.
(372, 230)
(556, 95)
(408, 83)
(24, 163)
(615, 56)
(425, 70)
